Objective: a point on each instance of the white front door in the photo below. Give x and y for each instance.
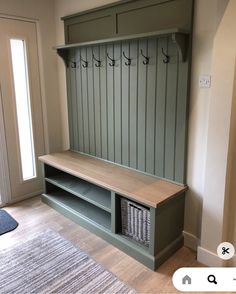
(22, 119)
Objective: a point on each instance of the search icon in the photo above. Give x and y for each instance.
(211, 279)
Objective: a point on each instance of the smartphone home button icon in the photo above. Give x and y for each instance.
(186, 280)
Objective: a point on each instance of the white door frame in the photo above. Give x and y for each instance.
(5, 188)
(41, 75)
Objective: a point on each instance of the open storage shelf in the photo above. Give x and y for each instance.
(89, 192)
(81, 207)
(83, 189)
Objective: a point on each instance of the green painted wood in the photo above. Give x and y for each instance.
(133, 115)
(151, 51)
(171, 214)
(153, 17)
(90, 87)
(62, 49)
(99, 211)
(116, 215)
(134, 54)
(170, 123)
(103, 86)
(74, 106)
(117, 100)
(97, 102)
(84, 84)
(125, 104)
(131, 248)
(69, 71)
(110, 106)
(161, 86)
(181, 125)
(168, 251)
(79, 90)
(85, 209)
(125, 19)
(84, 190)
(142, 109)
(102, 8)
(153, 232)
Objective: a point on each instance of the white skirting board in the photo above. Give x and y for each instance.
(209, 258)
(190, 241)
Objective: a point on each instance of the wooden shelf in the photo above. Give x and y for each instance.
(124, 38)
(178, 36)
(87, 191)
(81, 207)
(132, 184)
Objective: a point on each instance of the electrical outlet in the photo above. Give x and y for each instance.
(205, 81)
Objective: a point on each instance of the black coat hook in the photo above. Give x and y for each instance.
(85, 63)
(112, 63)
(146, 61)
(98, 64)
(167, 57)
(128, 62)
(73, 64)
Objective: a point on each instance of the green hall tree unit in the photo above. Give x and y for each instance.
(124, 177)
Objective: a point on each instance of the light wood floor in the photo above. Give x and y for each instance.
(34, 217)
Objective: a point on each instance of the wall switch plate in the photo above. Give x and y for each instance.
(205, 81)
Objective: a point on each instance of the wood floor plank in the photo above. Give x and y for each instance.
(35, 217)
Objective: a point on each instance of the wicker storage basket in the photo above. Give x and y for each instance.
(135, 221)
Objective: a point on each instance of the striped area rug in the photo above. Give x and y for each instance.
(50, 264)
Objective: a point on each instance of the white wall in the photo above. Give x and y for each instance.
(218, 158)
(207, 17)
(43, 11)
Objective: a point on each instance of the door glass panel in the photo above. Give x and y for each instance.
(23, 108)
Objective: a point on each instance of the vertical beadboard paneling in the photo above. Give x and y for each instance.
(74, 108)
(90, 87)
(132, 115)
(117, 101)
(84, 73)
(142, 105)
(161, 85)
(103, 86)
(110, 105)
(171, 95)
(181, 125)
(134, 52)
(97, 102)
(79, 91)
(151, 102)
(125, 103)
(69, 72)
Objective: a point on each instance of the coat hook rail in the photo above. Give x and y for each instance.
(146, 61)
(128, 62)
(112, 63)
(98, 64)
(85, 62)
(167, 57)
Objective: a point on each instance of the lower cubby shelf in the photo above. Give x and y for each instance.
(139, 214)
(80, 207)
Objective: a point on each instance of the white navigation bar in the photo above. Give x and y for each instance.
(206, 279)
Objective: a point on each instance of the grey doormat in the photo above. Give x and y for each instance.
(50, 264)
(7, 223)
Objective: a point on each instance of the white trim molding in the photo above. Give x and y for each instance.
(191, 241)
(209, 258)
